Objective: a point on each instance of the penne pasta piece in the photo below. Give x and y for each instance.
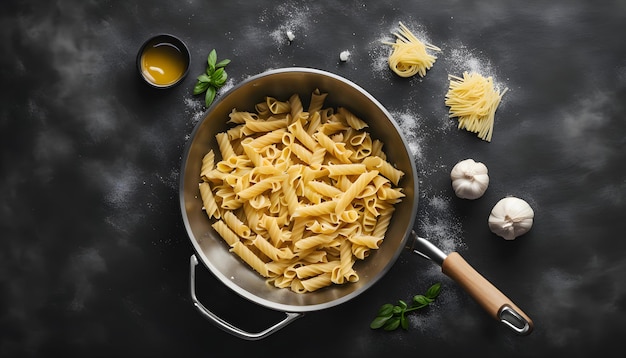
(226, 148)
(274, 253)
(240, 117)
(338, 150)
(317, 282)
(250, 258)
(344, 200)
(369, 241)
(317, 101)
(277, 107)
(386, 169)
(226, 233)
(306, 271)
(236, 225)
(307, 140)
(262, 126)
(210, 205)
(322, 208)
(351, 119)
(336, 170)
(208, 163)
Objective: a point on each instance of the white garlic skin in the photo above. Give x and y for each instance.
(511, 217)
(470, 179)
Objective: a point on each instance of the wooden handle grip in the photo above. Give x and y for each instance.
(485, 293)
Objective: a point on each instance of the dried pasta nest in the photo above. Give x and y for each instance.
(473, 100)
(410, 56)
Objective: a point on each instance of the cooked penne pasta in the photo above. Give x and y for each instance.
(299, 195)
(226, 233)
(226, 148)
(208, 200)
(250, 258)
(336, 170)
(277, 107)
(353, 190)
(385, 168)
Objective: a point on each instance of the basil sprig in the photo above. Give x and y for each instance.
(214, 77)
(390, 316)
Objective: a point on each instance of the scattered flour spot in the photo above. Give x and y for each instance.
(171, 181)
(431, 320)
(195, 105)
(226, 87)
(121, 183)
(438, 221)
(296, 20)
(461, 59)
(379, 54)
(418, 136)
(194, 108)
(410, 125)
(440, 225)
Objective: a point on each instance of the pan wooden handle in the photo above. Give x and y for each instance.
(486, 294)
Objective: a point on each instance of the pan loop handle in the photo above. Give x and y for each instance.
(514, 320)
(225, 326)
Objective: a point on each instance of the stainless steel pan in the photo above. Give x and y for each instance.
(212, 251)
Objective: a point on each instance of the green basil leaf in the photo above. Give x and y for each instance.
(200, 87)
(434, 290)
(404, 323)
(210, 95)
(212, 59)
(392, 324)
(422, 300)
(386, 309)
(204, 78)
(379, 322)
(222, 63)
(215, 76)
(220, 82)
(390, 316)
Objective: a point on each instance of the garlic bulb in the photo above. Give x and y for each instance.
(469, 179)
(511, 217)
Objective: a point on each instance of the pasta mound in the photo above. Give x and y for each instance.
(410, 56)
(473, 99)
(299, 194)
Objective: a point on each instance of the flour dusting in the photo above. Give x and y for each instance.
(437, 221)
(295, 21)
(410, 125)
(461, 59)
(194, 108)
(440, 225)
(379, 53)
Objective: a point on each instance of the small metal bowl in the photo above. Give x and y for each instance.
(163, 61)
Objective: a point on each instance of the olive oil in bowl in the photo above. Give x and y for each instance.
(163, 61)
